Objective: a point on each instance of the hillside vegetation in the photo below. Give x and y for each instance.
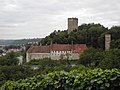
(90, 34)
(96, 79)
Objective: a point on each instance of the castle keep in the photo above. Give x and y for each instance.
(72, 24)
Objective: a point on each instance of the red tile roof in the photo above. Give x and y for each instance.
(39, 49)
(76, 48)
(61, 47)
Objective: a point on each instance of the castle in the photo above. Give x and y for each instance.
(62, 51)
(58, 51)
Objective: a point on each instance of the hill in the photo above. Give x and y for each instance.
(90, 34)
(19, 41)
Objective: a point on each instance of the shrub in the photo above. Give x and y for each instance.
(96, 79)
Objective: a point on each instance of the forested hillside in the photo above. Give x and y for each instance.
(90, 34)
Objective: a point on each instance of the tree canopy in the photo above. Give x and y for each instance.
(90, 34)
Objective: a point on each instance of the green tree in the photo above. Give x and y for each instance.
(91, 57)
(111, 59)
(115, 44)
(15, 73)
(86, 33)
(9, 59)
(115, 36)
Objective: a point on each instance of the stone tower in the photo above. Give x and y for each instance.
(107, 41)
(72, 24)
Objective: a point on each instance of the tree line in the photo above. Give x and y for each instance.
(90, 34)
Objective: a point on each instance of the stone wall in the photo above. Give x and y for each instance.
(31, 56)
(107, 41)
(72, 24)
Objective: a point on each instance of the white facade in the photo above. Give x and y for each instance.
(31, 56)
(54, 55)
(57, 55)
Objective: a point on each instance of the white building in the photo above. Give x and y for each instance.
(55, 51)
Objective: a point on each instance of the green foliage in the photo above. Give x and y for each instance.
(115, 32)
(91, 57)
(102, 59)
(115, 44)
(96, 79)
(115, 35)
(9, 59)
(86, 33)
(43, 62)
(90, 34)
(111, 59)
(49, 62)
(15, 73)
(11, 71)
(47, 65)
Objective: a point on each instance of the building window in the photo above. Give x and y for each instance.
(68, 51)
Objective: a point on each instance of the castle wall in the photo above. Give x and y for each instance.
(57, 55)
(31, 56)
(54, 55)
(75, 56)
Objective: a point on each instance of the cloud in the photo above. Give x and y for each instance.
(38, 18)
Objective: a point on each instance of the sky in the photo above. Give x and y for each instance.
(22, 19)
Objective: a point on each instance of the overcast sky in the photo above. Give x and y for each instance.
(38, 18)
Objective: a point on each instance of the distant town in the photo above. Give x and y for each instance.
(7, 46)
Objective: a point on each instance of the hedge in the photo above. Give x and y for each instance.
(96, 79)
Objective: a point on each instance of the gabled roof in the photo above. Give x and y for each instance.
(61, 47)
(39, 49)
(76, 48)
